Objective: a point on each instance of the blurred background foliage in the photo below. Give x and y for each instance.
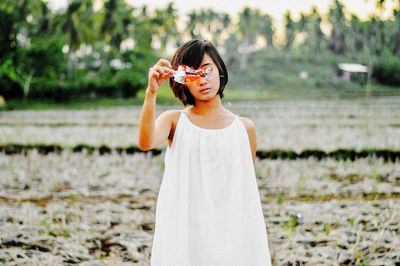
(94, 50)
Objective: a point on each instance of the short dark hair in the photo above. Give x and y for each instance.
(191, 54)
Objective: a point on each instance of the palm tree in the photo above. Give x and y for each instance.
(208, 24)
(165, 21)
(392, 28)
(231, 46)
(338, 35)
(267, 30)
(191, 24)
(44, 20)
(290, 31)
(76, 25)
(117, 20)
(376, 36)
(357, 34)
(144, 29)
(248, 29)
(219, 24)
(316, 32)
(70, 26)
(396, 33)
(197, 25)
(309, 25)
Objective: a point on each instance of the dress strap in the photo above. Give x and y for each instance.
(184, 117)
(184, 114)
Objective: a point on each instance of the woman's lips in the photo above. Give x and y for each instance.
(205, 90)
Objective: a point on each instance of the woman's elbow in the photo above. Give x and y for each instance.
(144, 146)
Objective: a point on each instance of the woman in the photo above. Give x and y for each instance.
(208, 208)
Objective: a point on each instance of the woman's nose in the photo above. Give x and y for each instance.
(203, 80)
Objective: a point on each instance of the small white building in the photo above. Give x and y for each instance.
(350, 71)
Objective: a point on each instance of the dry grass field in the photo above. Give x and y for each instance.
(89, 208)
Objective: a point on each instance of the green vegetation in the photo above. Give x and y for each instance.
(87, 104)
(84, 56)
(339, 154)
(291, 223)
(280, 197)
(56, 231)
(387, 69)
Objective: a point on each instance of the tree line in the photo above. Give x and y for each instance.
(94, 49)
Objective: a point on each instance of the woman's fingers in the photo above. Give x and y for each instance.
(161, 71)
(164, 71)
(164, 62)
(165, 66)
(154, 72)
(168, 75)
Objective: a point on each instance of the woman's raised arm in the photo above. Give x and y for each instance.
(147, 139)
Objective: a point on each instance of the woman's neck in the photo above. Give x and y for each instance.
(209, 107)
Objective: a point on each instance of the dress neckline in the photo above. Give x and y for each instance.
(209, 129)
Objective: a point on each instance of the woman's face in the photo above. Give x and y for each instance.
(208, 86)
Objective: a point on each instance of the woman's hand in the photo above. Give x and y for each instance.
(161, 71)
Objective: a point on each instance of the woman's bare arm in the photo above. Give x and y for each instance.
(252, 135)
(253, 140)
(151, 132)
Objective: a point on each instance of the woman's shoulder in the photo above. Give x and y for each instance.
(171, 112)
(170, 115)
(248, 123)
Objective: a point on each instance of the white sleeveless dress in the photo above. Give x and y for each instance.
(208, 210)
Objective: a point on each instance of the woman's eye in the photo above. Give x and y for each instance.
(207, 70)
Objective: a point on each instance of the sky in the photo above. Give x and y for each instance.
(363, 8)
